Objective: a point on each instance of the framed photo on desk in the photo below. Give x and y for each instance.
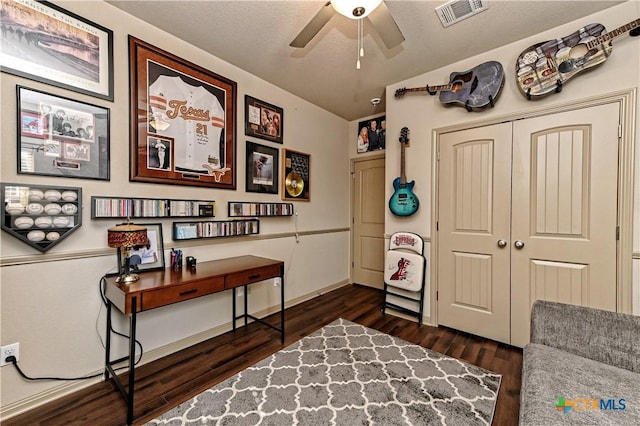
(151, 256)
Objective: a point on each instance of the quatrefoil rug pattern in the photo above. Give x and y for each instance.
(347, 374)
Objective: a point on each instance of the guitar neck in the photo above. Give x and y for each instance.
(431, 89)
(612, 34)
(403, 177)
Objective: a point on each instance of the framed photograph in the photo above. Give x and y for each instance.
(43, 42)
(296, 172)
(372, 134)
(61, 137)
(151, 256)
(262, 168)
(183, 121)
(263, 120)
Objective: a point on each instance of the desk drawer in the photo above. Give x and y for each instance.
(173, 294)
(253, 276)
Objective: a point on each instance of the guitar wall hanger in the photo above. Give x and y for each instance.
(475, 89)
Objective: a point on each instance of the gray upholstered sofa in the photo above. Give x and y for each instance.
(588, 357)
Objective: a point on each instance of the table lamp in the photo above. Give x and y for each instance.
(124, 237)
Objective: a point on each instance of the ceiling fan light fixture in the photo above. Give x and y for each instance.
(355, 9)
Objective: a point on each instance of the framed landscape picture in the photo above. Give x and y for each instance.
(263, 120)
(296, 172)
(183, 121)
(61, 137)
(261, 168)
(43, 42)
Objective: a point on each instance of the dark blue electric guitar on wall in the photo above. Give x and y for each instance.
(403, 202)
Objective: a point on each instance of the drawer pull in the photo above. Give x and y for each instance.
(253, 277)
(184, 293)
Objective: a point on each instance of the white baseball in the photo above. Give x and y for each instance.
(52, 236)
(14, 208)
(52, 195)
(43, 222)
(69, 195)
(35, 208)
(52, 208)
(60, 221)
(23, 222)
(69, 208)
(35, 236)
(35, 195)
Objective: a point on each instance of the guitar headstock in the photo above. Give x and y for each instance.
(404, 135)
(400, 92)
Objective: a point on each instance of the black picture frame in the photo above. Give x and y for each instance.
(370, 145)
(262, 168)
(149, 258)
(61, 137)
(296, 174)
(199, 145)
(263, 120)
(31, 51)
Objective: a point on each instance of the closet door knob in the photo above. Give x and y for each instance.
(502, 243)
(519, 244)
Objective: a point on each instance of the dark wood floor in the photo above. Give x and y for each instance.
(165, 383)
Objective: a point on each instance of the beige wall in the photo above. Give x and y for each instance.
(50, 302)
(423, 114)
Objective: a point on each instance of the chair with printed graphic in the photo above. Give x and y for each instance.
(404, 275)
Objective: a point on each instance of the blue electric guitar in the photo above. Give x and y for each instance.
(403, 202)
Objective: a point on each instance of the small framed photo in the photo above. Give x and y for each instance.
(296, 173)
(61, 137)
(261, 168)
(43, 42)
(151, 256)
(263, 120)
(372, 135)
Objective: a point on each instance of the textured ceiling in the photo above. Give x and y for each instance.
(255, 36)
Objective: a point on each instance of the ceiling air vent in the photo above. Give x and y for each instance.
(457, 10)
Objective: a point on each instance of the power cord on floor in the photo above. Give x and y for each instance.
(12, 359)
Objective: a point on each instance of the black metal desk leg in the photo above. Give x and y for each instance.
(233, 307)
(107, 358)
(246, 304)
(282, 308)
(132, 361)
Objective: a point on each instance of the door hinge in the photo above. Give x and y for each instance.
(437, 226)
(353, 219)
(436, 296)
(619, 131)
(617, 233)
(352, 264)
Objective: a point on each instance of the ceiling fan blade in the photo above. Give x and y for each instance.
(314, 26)
(386, 26)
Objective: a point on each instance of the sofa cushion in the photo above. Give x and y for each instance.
(549, 374)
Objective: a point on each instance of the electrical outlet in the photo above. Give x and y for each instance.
(7, 351)
(240, 292)
(276, 282)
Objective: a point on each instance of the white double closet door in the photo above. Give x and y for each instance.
(527, 211)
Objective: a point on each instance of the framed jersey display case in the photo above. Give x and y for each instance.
(183, 121)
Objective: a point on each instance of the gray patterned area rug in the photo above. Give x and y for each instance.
(347, 374)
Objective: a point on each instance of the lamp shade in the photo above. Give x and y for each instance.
(355, 9)
(127, 235)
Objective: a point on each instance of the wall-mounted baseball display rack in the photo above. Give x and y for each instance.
(41, 215)
(116, 207)
(215, 229)
(248, 209)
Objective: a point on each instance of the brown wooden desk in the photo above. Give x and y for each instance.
(162, 288)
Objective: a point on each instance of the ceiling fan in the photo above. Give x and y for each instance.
(375, 10)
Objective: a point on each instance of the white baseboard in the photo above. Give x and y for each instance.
(36, 400)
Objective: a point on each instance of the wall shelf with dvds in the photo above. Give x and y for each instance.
(41, 215)
(251, 209)
(215, 229)
(133, 207)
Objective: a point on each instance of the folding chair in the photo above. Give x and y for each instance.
(404, 275)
